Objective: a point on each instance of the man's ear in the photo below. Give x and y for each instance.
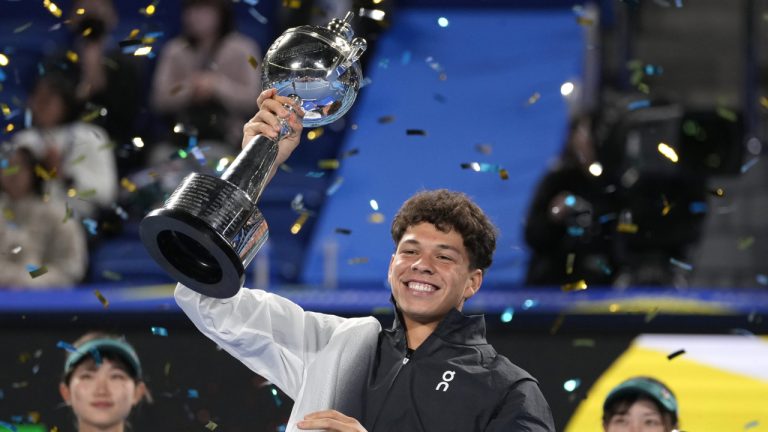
(65, 393)
(473, 283)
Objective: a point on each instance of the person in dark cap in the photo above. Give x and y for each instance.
(102, 382)
(640, 404)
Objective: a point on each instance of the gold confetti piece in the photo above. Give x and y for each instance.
(149, 10)
(102, 299)
(614, 307)
(328, 164)
(667, 206)
(167, 369)
(43, 173)
(292, 4)
(9, 127)
(534, 98)
(3, 60)
(746, 243)
(72, 56)
(675, 354)
(719, 192)
(11, 170)
(315, 134)
(651, 315)
(584, 21)
(211, 425)
(87, 31)
(8, 214)
(22, 27)
(584, 343)
(628, 228)
(67, 213)
(376, 218)
(5, 109)
(54, 429)
(36, 273)
(133, 33)
(90, 115)
(52, 8)
(357, 260)
(80, 11)
(90, 193)
(296, 227)
(77, 160)
(557, 324)
(253, 62)
(579, 285)
(569, 263)
(668, 152)
(128, 185)
(34, 416)
(504, 174)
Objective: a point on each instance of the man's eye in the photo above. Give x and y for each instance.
(408, 252)
(445, 258)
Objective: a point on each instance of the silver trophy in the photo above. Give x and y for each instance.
(209, 229)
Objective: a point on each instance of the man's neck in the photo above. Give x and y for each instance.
(86, 427)
(416, 332)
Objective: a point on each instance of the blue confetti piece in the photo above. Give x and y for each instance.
(90, 225)
(749, 164)
(334, 187)
(634, 105)
(192, 143)
(96, 356)
(508, 314)
(571, 384)
(681, 264)
(570, 200)
(575, 231)
(276, 398)
(405, 58)
(678, 3)
(159, 331)
(530, 303)
(35, 369)
(2, 76)
(154, 35)
(259, 17)
(315, 174)
(606, 218)
(193, 394)
(66, 346)
(698, 207)
(3, 163)
(762, 279)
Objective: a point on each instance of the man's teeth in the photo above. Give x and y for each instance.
(418, 286)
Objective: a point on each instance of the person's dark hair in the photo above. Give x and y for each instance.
(226, 16)
(58, 83)
(448, 210)
(620, 404)
(114, 357)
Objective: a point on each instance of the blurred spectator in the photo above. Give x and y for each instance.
(76, 158)
(205, 80)
(567, 229)
(34, 232)
(640, 404)
(106, 80)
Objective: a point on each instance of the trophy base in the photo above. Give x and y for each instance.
(192, 252)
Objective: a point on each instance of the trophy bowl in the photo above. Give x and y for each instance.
(209, 229)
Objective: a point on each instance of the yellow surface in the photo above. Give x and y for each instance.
(710, 399)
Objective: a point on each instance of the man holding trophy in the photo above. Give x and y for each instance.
(433, 370)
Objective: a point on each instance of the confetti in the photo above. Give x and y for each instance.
(275, 397)
(334, 187)
(668, 152)
(628, 228)
(357, 260)
(253, 62)
(10, 170)
(328, 164)
(193, 394)
(530, 303)
(507, 315)
(67, 213)
(257, 16)
(149, 10)
(102, 299)
(22, 27)
(374, 205)
(376, 218)
(761, 279)
(651, 315)
(719, 192)
(569, 260)
(681, 264)
(579, 285)
(344, 231)
(533, 98)
(752, 424)
(35, 271)
(16, 250)
(727, 114)
(159, 331)
(315, 133)
(90, 225)
(315, 174)
(386, 119)
(296, 227)
(89, 193)
(697, 207)
(211, 425)
(485, 149)
(749, 164)
(52, 8)
(584, 343)
(557, 324)
(72, 56)
(419, 132)
(667, 206)
(350, 153)
(43, 173)
(113, 276)
(77, 160)
(571, 384)
(66, 346)
(746, 242)
(504, 174)
(675, 354)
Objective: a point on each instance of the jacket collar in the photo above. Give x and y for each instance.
(455, 327)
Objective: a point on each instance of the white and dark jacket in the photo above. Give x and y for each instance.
(455, 381)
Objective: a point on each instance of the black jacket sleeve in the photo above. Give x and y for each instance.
(523, 409)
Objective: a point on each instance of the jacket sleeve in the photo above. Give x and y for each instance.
(524, 409)
(271, 335)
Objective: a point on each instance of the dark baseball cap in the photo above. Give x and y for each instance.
(644, 386)
(97, 347)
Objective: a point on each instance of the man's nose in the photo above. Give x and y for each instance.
(423, 264)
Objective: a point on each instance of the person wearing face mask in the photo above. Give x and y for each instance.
(102, 382)
(32, 231)
(432, 371)
(640, 404)
(205, 80)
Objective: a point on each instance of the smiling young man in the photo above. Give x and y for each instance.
(432, 371)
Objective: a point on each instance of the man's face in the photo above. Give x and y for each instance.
(430, 274)
(642, 416)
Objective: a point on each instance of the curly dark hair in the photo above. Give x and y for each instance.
(448, 210)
